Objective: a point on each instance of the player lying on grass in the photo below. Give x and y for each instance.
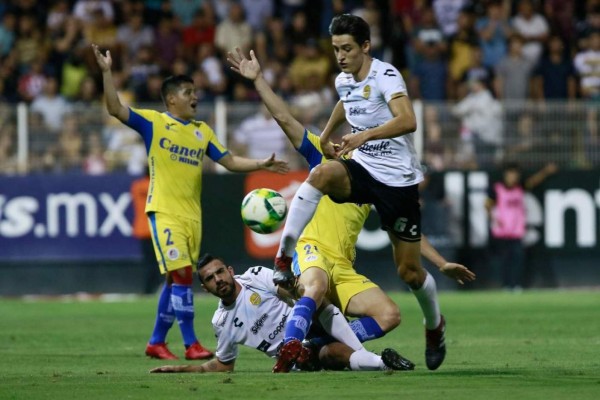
(253, 312)
(325, 252)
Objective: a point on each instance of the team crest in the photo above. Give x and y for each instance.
(198, 134)
(367, 91)
(173, 253)
(255, 299)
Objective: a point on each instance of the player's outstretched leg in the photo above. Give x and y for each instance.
(393, 360)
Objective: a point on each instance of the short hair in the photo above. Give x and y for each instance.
(172, 84)
(204, 261)
(347, 24)
(511, 166)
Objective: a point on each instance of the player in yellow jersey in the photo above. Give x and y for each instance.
(176, 145)
(325, 251)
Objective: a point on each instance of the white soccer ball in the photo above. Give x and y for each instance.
(264, 210)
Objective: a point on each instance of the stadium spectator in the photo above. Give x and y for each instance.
(297, 32)
(167, 41)
(8, 149)
(7, 33)
(272, 44)
(51, 105)
(561, 17)
(65, 39)
(476, 71)
(142, 67)
(58, 14)
(446, 14)
(212, 68)
(233, 31)
(87, 10)
(201, 31)
(533, 28)
(554, 76)
(587, 64)
(505, 206)
(31, 84)
(94, 162)
(150, 91)
(460, 47)
(589, 24)
(426, 34)
(31, 44)
(513, 72)
(185, 10)
(494, 31)
(372, 15)
(258, 12)
(73, 72)
(481, 125)
(134, 35)
(69, 156)
(100, 29)
(310, 67)
(429, 80)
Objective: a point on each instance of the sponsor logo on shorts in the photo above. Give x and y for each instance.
(173, 253)
(311, 258)
(255, 299)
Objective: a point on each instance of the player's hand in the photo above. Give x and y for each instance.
(273, 165)
(330, 150)
(458, 272)
(350, 142)
(104, 61)
(284, 279)
(169, 369)
(248, 68)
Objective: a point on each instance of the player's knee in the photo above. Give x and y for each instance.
(388, 316)
(322, 177)
(412, 274)
(316, 291)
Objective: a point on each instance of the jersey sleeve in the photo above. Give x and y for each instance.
(142, 121)
(390, 83)
(311, 149)
(227, 349)
(260, 277)
(215, 150)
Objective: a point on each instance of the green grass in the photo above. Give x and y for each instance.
(536, 345)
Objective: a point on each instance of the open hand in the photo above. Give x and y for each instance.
(458, 272)
(248, 68)
(273, 165)
(104, 61)
(169, 369)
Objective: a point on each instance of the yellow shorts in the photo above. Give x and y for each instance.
(176, 240)
(344, 281)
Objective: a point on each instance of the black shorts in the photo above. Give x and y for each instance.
(398, 207)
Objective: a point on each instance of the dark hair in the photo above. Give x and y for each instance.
(172, 84)
(511, 166)
(347, 24)
(204, 261)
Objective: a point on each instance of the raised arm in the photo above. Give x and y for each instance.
(250, 69)
(242, 164)
(113, 104)
(211, 366)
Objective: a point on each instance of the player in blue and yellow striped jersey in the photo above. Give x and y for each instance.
(176, 145)
(324, 254)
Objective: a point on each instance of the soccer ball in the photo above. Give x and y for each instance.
(263, 210)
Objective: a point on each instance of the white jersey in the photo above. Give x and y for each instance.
(393, 162)
(256, 319)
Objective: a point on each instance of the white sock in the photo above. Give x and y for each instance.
(427, 297)
(364, 360)
(303, 207)
(335, 324)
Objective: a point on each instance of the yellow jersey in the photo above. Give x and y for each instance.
(334, 227)
(175, 150)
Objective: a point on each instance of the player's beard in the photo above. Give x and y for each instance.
(226, 290)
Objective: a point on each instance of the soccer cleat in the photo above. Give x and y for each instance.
(395, 361)
(283, 274)
(287, 356)
(435, 351)
(160, 351)
(197, 352)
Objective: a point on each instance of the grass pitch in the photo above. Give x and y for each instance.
(535, 345)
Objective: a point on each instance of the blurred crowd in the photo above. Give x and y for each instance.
(477, 54)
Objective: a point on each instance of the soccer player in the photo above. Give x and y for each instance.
(325, 251)
(176, 145)
(383, 171)
(252, 313)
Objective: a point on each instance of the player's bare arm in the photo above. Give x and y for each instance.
(113, 104)
(211, 366)
(250, 69)
(337, 118)
(242, 164)
(404, 122)
(456, 271)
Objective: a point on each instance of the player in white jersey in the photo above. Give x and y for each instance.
(384, 171)
(253, 312)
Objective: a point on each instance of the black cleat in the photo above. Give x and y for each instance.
(435, 351)
(395, 361)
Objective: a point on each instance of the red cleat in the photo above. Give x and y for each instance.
(160, 351)
(287, 356)
(197, 352)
